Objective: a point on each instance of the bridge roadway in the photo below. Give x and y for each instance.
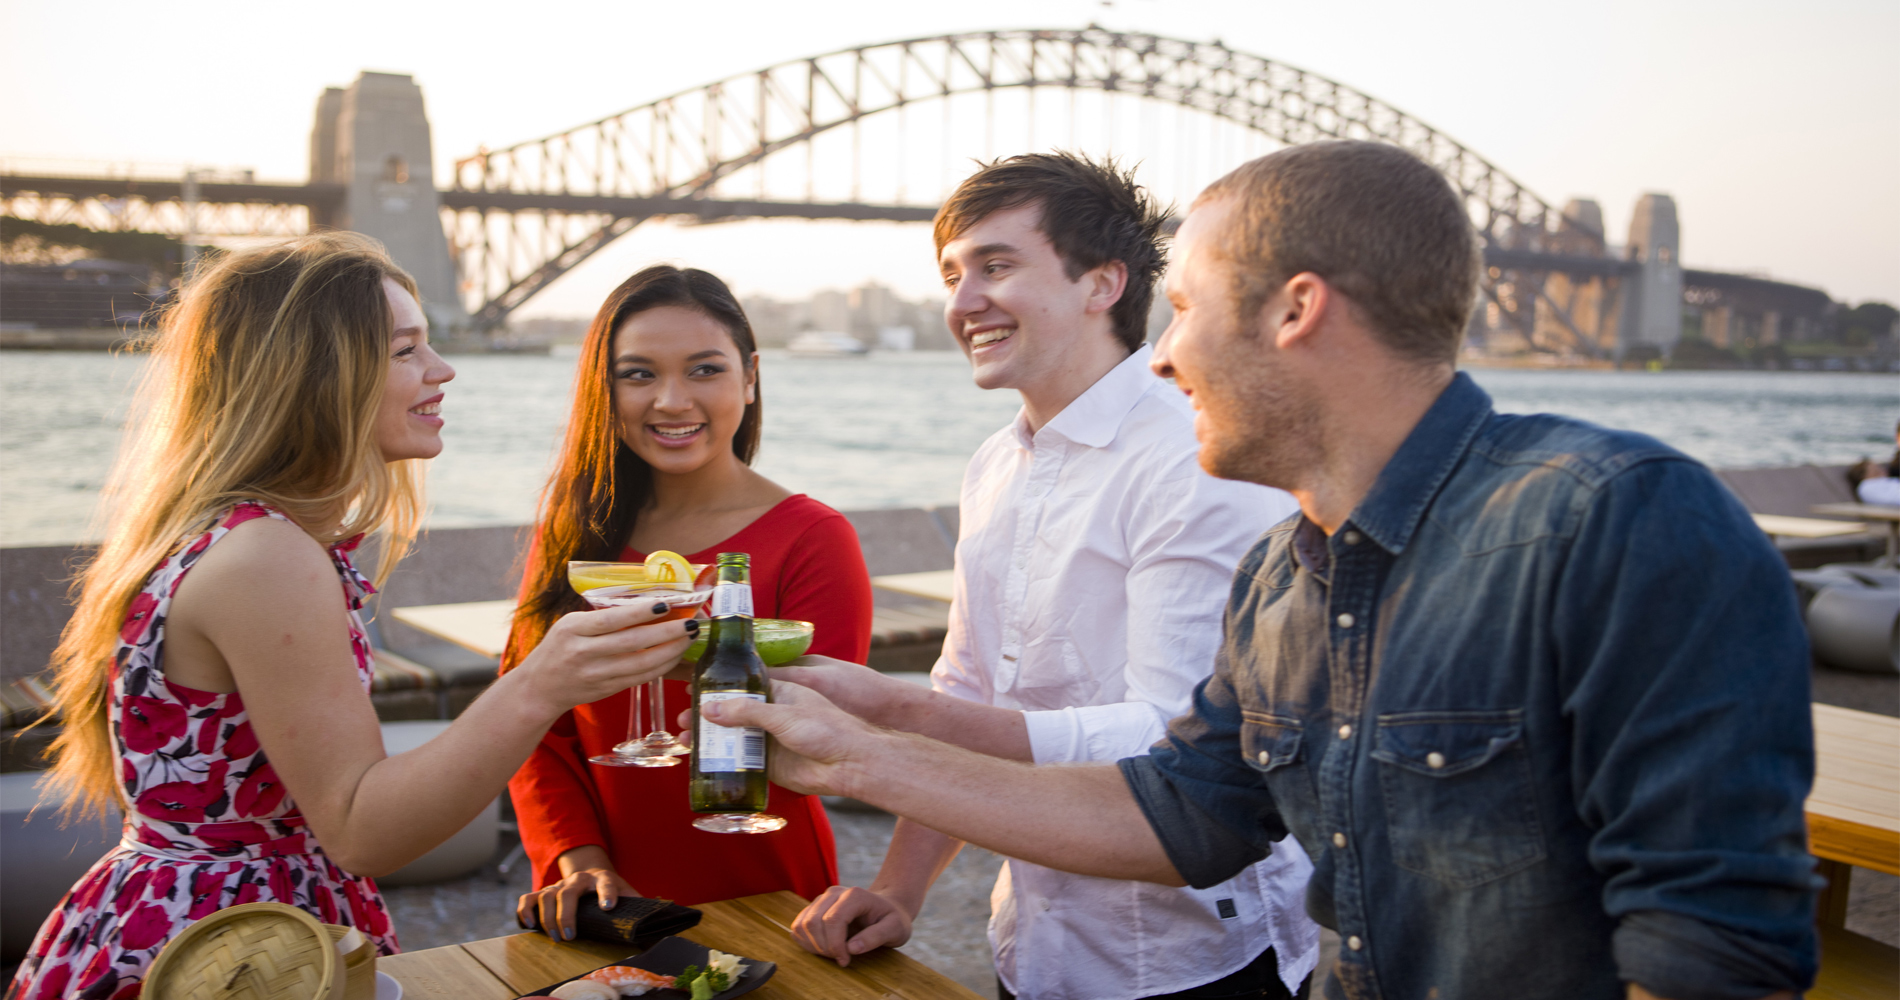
(321, 197)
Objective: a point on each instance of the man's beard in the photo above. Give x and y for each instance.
(1264, 427)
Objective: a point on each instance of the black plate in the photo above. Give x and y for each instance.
(670, 957)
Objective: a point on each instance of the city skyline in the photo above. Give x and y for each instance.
(1770, 176)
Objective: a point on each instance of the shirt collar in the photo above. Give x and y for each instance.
(1391, 510)
(1095, 417)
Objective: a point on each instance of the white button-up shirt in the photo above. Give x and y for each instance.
(1093, 565)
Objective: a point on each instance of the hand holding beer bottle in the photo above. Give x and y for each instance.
(728, 784)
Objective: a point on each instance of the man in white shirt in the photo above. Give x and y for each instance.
(1092, 570)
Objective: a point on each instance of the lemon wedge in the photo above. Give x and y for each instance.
(668, 567)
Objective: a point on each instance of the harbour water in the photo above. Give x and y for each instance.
(887, 430)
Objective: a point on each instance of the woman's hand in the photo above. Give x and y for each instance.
(588, 655)
(553, 908)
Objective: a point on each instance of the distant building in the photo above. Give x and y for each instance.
(865, 313)
(830, 310)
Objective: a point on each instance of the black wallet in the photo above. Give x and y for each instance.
(634, 920)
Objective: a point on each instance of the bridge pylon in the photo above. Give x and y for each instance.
(1655, 246)
(373, 138)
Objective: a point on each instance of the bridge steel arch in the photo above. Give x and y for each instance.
(593, 183)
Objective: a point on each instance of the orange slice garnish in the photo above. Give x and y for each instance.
(668, 567)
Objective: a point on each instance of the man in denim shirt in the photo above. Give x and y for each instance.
(1532, 694)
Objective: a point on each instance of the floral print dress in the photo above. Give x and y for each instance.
(210, 826)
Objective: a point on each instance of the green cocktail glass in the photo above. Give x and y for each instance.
(779, 640)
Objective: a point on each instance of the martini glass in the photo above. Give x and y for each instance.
(658, 747)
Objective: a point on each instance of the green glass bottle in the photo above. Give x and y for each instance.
(728, 785)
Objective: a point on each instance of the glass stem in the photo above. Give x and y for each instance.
(633, 712)
(659, 707)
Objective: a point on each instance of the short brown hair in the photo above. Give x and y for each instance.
(1092, 213)
(1375, 221)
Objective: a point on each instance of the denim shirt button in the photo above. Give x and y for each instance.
(1434, 760)
(1345, 620)
(1354, 943)
(1345, 731)
(1339, 840)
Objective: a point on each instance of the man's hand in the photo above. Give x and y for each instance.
(885, 701)
(847, 921)
(817, 743)
(1078, 819)
(874, 697)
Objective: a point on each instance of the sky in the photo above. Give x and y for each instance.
(1775, 126)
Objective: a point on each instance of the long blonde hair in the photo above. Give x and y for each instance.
(264, 384)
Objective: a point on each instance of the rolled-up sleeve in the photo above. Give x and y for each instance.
(1687, 670)
(1212, 813)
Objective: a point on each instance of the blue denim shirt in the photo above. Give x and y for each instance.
(1538, 712)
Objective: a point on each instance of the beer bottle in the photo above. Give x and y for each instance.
(727, 784)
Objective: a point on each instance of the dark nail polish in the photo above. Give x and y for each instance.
(660, 608)
(692, 626)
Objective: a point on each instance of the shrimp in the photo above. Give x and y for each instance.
(631, 982)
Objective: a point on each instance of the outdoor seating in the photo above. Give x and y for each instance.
(1794, 491)
(43, 857)
(459, 855)
(1854, 822)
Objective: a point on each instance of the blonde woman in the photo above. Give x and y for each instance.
(214, 679)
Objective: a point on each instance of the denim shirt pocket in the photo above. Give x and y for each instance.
(1459, 803)
(1272, 745)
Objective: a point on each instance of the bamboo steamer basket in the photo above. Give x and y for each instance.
(253, 951)
(359, 966)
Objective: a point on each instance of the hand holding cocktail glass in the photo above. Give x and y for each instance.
(592, 655)
(665, 578)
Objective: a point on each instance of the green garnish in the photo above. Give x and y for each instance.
(704, 984)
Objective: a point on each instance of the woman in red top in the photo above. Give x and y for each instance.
(657, 456)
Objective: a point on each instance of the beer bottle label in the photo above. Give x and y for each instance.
(728, 748)
(731, 599)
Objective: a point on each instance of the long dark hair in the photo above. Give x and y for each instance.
(590, 504)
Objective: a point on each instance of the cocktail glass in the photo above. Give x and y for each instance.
(778, 640)
(628, 583)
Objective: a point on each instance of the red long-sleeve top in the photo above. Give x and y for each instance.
(806, 565)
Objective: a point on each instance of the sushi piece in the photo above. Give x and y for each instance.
(585, 989)
(631, 982)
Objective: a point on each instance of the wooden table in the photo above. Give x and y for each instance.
(1854, 821)
(1854, 809)
(1805, 527)
(756, 927)
(1869, 512)
(937, 584)
(481, 626)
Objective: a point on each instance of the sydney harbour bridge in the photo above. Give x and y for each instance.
(875, 132)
